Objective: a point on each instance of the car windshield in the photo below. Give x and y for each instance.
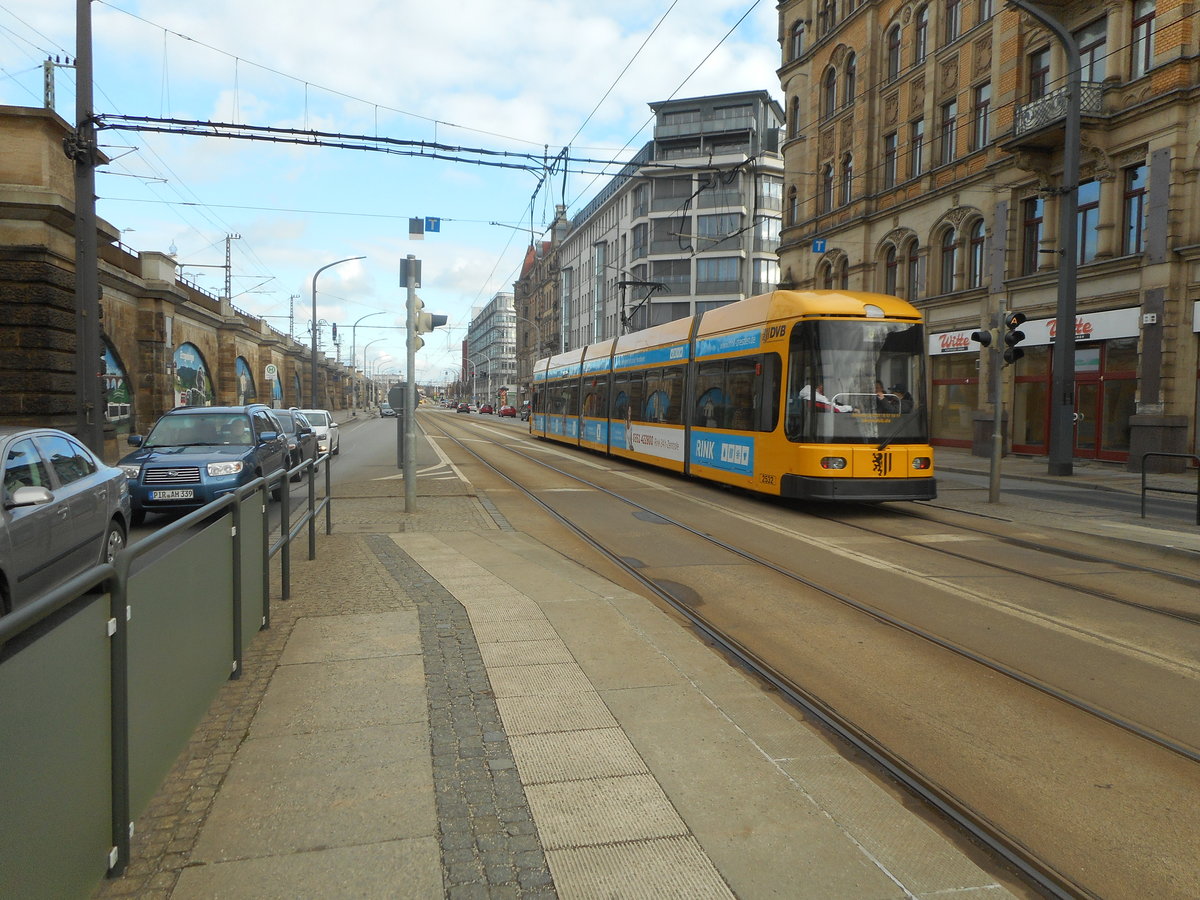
(317, 418)
(199, 430)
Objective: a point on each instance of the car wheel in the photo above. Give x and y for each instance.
(137, 517)
(114, 541)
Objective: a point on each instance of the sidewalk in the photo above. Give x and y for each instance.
(447, 707)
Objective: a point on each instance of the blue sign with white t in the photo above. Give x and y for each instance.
(433, 224)
(818, 245)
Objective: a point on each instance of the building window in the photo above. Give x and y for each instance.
(893, 53)
(891, 266)
(842, 276)
(847, 179)
(912, 272)
(1135, 210)
(829, 93)
(770, 192)
(793, 206)
(980, 127)
(720, 275)
(826, 16)
(794, 118)
(1093, 40)
(985, 10)
(953, 21)
(1142, 46)
(1039, 73)
(1088, 218)
(890, 144)
(827, 187)
(949, 125)
(949, 261)
(850, 80)
(916, 144)
(1032, 212)
(825, 276)
(921, 35)
(766, 275)
(798, 40)
(978, 258)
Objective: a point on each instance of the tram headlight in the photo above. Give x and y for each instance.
(833, 462)
(922, 462)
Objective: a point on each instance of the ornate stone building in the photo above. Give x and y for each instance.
(924, 157)
(164, 342)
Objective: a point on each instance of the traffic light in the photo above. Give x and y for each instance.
(426, 322)
(335, 332)
(983, 338)
(1013, 336)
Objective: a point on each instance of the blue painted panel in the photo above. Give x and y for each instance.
(731, 453)
(729, 343)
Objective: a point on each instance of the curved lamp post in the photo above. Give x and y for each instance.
(315, 333)
(366, 374)
(353, 344)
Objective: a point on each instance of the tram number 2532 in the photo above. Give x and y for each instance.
(766, 478)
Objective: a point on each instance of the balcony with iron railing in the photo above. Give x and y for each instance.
(1040, 123)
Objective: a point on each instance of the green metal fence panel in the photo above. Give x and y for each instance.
(180, 651)
(55, 812)
(252, 567)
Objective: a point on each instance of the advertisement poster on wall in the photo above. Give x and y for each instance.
(245, 382)
(118, 405)
(193, 385)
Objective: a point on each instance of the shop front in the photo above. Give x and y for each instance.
(1106, 359)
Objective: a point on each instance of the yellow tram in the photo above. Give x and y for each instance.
(805, 394)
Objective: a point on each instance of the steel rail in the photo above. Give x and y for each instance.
(1006, 846)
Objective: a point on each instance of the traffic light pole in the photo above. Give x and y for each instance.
(410, 388)
(1062, 389)
(997, 372)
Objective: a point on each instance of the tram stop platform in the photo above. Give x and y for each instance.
(446, 707)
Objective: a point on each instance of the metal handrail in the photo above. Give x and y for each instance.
(1166, 490)
(15, 627)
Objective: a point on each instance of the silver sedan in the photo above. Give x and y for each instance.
(64, 511)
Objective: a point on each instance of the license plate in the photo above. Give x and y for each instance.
(173, 495)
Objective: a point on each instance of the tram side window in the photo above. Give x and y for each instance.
(571, 397)
(768, 391)
(711, 401)
(637, 394)
(620, 396)
(743, 396)
(595, 398)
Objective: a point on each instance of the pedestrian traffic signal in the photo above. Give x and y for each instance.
(1013, 336)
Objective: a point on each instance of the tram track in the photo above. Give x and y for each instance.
(1007, 846)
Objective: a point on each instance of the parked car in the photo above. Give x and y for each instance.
(193, 455)
(326, 430)
(63, 512)
(301, 438)
(486, 409)
(464, 407)
(507, 411)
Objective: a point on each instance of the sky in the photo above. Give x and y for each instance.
(524, 78)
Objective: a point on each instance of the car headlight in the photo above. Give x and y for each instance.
(224, 468)
(131, 470)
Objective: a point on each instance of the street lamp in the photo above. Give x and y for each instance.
(354, 397)
(313, 388)
(354, 362)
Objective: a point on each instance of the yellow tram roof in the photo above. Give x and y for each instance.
(800, 304)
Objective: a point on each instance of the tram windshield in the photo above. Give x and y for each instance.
(856, 382)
